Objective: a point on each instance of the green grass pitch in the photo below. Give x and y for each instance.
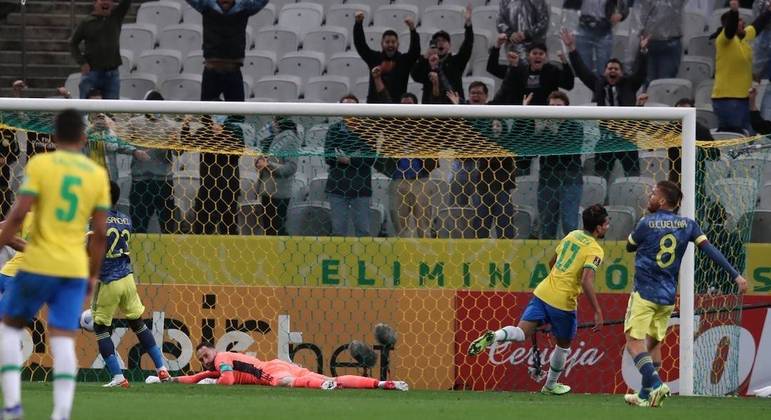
(188, 402)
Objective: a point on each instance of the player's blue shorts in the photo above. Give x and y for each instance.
(4, 280)
(563, 323)
(27, 293)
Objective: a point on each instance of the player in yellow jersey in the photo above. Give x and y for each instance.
(555, 300)
(8, 272)
(66, 189)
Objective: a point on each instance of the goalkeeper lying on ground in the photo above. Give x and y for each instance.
(228, 368)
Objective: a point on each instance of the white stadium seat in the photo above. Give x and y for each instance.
(301, 16)
(702, 46)
(392, 16)
(159, 13)
(344, 15)
(137, 37)
(280, 88)
(193, 63)
(136, 85)
(303, 64)
(347, 64)
(127, 61)
(449, 18)
(669, 91)
(266, 17)
(622, 222)
(328, 40)
(191, 16)
(326, 88)
(485, 18)
(184, 38)
(633, 192)
(594, 191)
(526, 192)
(182, 87)
(164, 63)
(259, 63)
(696, 69)
(278, 39)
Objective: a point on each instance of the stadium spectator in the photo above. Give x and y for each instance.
(441, 68)
(411, 191)
(612, 89)
(493, 66)
(103, 145)
(224, 43)
(702, 154)
(216, 204)
(537, 76)
(523, 22)
(394, 66)
(733, 68)
(275, 173)
(349, 183)
(100, 58)
(151, 179)
(594, 38)
(761, 52)
(662, 21)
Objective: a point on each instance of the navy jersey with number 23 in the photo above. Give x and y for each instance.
(117, 262)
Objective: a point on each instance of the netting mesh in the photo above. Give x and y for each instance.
(250, 229)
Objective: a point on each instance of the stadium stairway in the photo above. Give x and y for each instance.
(48, 30)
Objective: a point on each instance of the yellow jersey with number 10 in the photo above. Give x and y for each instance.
(560, 289)
(68, 187)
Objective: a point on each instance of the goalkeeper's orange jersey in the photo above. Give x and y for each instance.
(238, 368)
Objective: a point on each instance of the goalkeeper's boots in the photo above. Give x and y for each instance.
(658, 395)
(397, 385)
(115, 383)
(163, 375)
(557, 389)
(13, 413)
(479, 345)
(327, 385)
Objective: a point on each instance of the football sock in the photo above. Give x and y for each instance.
(510, 333)
(309, 381)
(650, 379)
(352, 381)
(107, 350)
(65, 372)
(10, 364)
(556, 364)
(148, 343)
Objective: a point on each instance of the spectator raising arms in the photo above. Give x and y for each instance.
(394, 66)
(662, 21)
(523, 22)
(537, 76)
(224, 42)
(595, 29)
(100, 58)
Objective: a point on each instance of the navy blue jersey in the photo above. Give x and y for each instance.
(661, 239)
(117, 262)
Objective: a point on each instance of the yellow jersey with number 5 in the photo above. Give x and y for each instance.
(576, 251)
(68, 187)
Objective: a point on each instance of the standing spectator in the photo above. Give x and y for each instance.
(394, 66)
(9, 154)
(523, 22)
(662, 22)
(224, 42)
(761, 52)
(733, 68)
(444, 69)
(537, 76)
(275, 173)
(612, 89)
(216, 205)
(594, 38)
(411, 191)
(151, 179)
(349, 184)
(100, 58)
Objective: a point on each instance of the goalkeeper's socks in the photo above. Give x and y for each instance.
(148, 343)
(10, 365)
(65, 372)
(360, 382)
(650, 380)
(556, 365)
(510, 333)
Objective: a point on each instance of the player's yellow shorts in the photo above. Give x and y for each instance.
(645, 318)
(119, 294)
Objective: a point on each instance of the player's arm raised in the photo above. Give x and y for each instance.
(715, 255)
(587, 283)
(96, 245)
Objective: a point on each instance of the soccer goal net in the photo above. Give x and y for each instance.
(289, 230)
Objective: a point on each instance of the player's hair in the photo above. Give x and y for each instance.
(411, 96)
(594, 216)
(349, 96)
(478, 84)
(671, 193)
(558, 94)
(617, 61)
(537, 46)
(685, 102)
(204, 343)
(114, 193)
(69, 126)
(390, 32)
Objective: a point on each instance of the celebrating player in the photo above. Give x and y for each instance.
(117, 290)
(229, 368)
(573, 267)
(660, 240)
(65, 188)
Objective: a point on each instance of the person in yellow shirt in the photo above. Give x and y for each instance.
(66, 189)
(573, 266)
(8, 272)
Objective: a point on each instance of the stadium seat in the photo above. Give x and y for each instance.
(463, 3)
(317, 187)
(191, 16)
(702, 94)
(281, 3)
(259, 63)
(754, 166)
(654, 164)
(360, 88)
(392, 15)
(633, 192)
(301, 16)
(716, 169)
(281, 88)
(764, 202)
(72, 84)
(137, 37)
(159, 13)
(669, 91)
(311, 218)
(622, 222)
(620, 45)
(523, 219)
(184, 38)
(299, 189)
(315, 137)
(344, 15)
(326, 88)
(761, 227)
(449, 18)
(526, 192)
(696, 69)
(714, 20)
(580, 94)
(594, 191)
(694, 24)
(193, 63)
(279, 39)
(164, 63)
(136, 85)
(328, 40)
(373, 35)
(303, 64)
(326, 4)
(266, 17)
(248, 85)
(127, 61)
(485, 18)
(182, 87)
(347, 64)
(737, 195)
(707, 118)
(702, 46)
(455, 223)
